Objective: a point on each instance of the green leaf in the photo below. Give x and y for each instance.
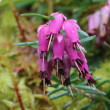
(63, 32)
(105, 99)
(50, 53)
(53, 77)
(85, 107)
(105, 106)
(84, 87)
(85, 82)
(75, 80)
(82, 34)
(95, 92)
(35, 46)
(58, 95)
(66, 105)
(27, 43)
(56, 90)
(38, 15)
(103, 82)
(87, 39)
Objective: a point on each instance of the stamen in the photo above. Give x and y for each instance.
(43, 64)
(88, 84)
(57, 70)
(71, 91)
(80, 49)
(79, 69)
(96, 89)
(49, 43)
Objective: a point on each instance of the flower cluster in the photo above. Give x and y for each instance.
(99, 24)
(67, 50)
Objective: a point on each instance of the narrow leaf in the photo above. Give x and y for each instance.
(66, 105)
(87, 39)
(84, 87)
(26, 43)
(103, 82)
(58, 95)
(54, 91)
(38, 15)
(82, 34)
(95, 92)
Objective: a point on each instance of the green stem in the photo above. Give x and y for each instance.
(38, 15)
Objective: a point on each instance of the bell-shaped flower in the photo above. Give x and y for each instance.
(42, 65)
(105, 13)
(43, 32)
(49, 69)
(58, 47)
(69, 50)
(90, 79)
(67, 65)
(56, 24)
(71, 30)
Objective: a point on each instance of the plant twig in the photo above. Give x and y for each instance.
(14, 81)
(17, 19)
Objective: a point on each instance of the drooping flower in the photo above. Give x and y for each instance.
(58, 47)
(72, 53)
(43, 32)
(67, 68)
(58, 51)
(71, 30)
(56, 24)
(84, 70)
(42, 65)
(105, 14)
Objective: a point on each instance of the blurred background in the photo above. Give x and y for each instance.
(19, 68)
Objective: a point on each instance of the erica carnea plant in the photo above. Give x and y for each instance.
(60, 36)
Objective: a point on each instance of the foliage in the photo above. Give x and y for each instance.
(24, 62)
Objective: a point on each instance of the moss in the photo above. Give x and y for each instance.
(104, 72)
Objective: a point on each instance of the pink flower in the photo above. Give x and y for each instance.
(94, 21)
(71, 30)
(69, 50)
(91, 22)
(67, 65)
(58, 47)
(56, 24)
(97, 19)
(90, 79)
(105, 13)
(43, 67)
(49, 69)
(43, 32)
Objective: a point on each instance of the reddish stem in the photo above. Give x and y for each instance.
(17, 19)
(19, 96)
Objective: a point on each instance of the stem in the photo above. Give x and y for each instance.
(38, 15)
(71, 91)
(17, 19)
(49, 43)
(14, 82)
